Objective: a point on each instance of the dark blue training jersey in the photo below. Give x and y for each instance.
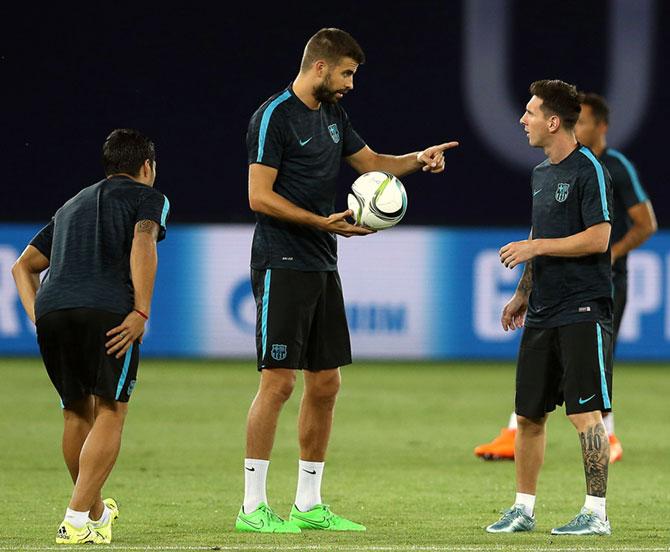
(306, 146)
(628, 191)
(88, 244)
(568, 198)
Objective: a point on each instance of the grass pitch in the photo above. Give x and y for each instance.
(400, 461)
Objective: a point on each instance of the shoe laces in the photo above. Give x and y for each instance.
(512, 513)
(582, 518)
(327, 513)
(269, 512)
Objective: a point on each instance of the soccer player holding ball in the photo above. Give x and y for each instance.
(296, 141)
(564, 299)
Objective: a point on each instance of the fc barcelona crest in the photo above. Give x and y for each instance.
(562, 192)
(334, 132)
(278, 352)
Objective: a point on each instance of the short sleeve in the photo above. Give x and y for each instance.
(265, 142)
(154, 206)
(596, 194)
(351, 142)
(627, 183)
(43, 239)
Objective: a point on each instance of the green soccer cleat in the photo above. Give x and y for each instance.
(105, 529)
(320, 517)
(67, 534)
(264, 520)
(585, 523)
(513, 520)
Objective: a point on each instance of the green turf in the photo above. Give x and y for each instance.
(400, 460)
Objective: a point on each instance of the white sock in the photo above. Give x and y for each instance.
(512, 421)
(608, 422)
(308, 494)
(103, 518)
(76, 519)
(597, 505)
(527, 501)
(255, 476)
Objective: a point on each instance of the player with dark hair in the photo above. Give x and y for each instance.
(634, 218)
(296, 142)
(564, 299)
(633, 223)
(90, 311)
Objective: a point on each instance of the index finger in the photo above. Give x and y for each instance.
(446, 146)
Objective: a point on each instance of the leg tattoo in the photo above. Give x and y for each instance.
(596, 453)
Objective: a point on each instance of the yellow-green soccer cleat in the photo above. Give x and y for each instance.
(320, 517)
(67, 534)
(264, 520)
(113, 506)
(105, 529)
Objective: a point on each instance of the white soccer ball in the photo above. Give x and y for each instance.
(378, 200)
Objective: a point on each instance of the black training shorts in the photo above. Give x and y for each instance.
(571, 364)
(72, 343)
(300, 320)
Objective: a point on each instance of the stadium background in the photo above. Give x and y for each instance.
(190, 77)
(401, 454)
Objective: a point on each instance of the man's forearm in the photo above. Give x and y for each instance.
(27, 284)
(632, 239)
(143, 266)
(588, 242)
(398, 165)
(525, 285)
(277, 206)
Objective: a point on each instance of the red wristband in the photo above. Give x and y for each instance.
(141, 314)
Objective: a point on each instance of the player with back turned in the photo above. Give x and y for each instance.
(90, 311)
(296, 142)
(565, 300)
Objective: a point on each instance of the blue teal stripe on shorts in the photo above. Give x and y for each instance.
(632, 174)
(601, 361)
(265, 121)
(166, 210)
(264, 311)
(124, 372)
(601, 180)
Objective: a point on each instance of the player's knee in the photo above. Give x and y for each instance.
(279, 387)
(108, 407)
(585, 419)
(324, 387)
(530, 425)
(80, 411)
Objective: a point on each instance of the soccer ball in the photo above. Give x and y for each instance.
(378, 200)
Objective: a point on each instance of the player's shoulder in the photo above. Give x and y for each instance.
(588, 163)
(149, 193)
(277, 105)
(616, 160)
(82, 195)
(541, 167)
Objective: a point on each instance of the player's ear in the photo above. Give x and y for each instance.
(321, 67)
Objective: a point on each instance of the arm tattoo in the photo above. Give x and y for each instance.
(596, 453)
(526, 283)
(147, 227)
